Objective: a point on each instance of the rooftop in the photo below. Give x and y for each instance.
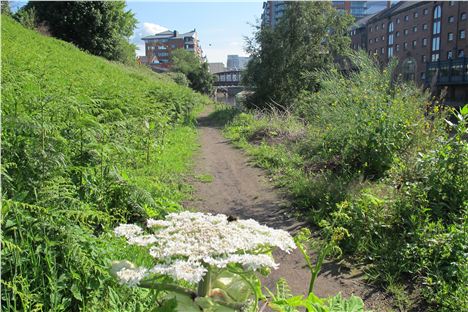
(169, 34)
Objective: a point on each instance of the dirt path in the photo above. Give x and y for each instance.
(243, 191)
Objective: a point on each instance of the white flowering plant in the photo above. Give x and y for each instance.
(217, 253)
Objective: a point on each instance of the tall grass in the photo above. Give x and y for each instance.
(86, 144)
(375, 156)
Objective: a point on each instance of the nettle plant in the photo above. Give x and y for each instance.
(215, 252)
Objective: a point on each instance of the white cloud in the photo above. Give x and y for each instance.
(142, 30)
(151, 29)
(140, 49)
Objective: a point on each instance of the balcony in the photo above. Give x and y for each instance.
(451, 72)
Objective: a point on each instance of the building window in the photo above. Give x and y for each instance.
(383, 26)
(436, 27)
(436, 33)
(398, 20)
(423, 76)
(463, 16)
(375, 51)
(451, 3)
(162, 48)
(370, 29)
(423, 58)
(437, 12)
(409, 68)
(398, 34)
(173, 46)
(450, 36)
(436, 44)
(415, 14)
(425, 11)
(461, 53)
(424, 26)
(415, 28)
(370, 40)
(390, 34)
(376, 39)
(406, 18)
(383, 38)
(449, 55)
(405, 32)
(382, 50)
(405, 45)
(424, 42)
(451, 19)
(390, 52)
(461, 34)
(414, 43)
(377, 27)
(397, 47)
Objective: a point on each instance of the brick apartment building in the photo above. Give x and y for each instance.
(159, 47)
(427, 37)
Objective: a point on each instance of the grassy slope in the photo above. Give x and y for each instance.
(86, 143)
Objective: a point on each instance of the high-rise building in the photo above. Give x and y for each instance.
(236, 62)
(427, 37)
(377, 6)
(359, 9)
(159, 47)
(274, 10)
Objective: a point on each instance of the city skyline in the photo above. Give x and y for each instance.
(217, 42)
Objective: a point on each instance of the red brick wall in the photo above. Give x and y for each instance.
(376, 33)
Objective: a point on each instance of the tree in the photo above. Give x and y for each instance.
(99, 27)
(5, 8)
(194, 69)
(286, 58)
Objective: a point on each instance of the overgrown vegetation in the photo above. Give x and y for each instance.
(86, 144)
(374, 156)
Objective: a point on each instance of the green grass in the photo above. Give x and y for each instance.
(86, 144)
(205, 178)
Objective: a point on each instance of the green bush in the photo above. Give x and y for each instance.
(363, 120)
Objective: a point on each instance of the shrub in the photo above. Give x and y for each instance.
(377, 119)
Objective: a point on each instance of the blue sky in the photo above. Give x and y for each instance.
(221, 26)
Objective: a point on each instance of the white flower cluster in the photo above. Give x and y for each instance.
(186, 243)
(128, 230)
(127, 273)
